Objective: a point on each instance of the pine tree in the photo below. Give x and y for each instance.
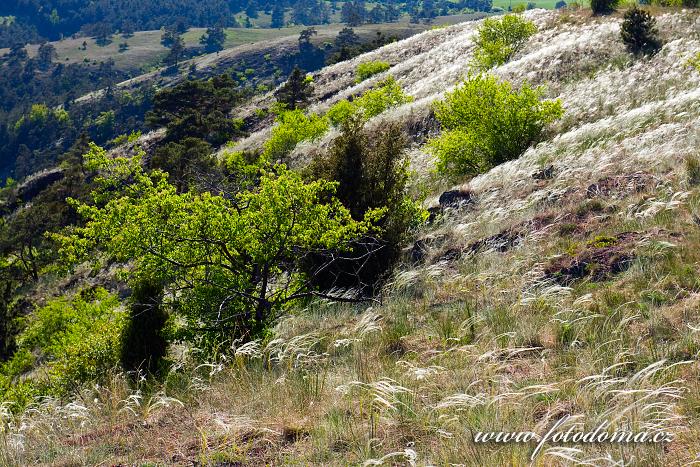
(353, 13)
(296, 92)
(46, 55)
(639, 32)
(177, 50)
(277, 17)
(213, 40)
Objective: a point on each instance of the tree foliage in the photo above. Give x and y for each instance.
(232, 263)
(603, 7)
(297, 91)
(198, 109)
(498, 39)
(185, 161)
(372, 172)
(213, 40)
(144, 343)
(486, 123)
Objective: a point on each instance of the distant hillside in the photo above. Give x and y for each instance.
(27, 20)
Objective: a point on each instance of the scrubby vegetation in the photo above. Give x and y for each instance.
(385, 95)
(639, 32)
(368, 69)
(372, 172)
(498, 39)
(74, 341)
(293, 127)
(486, 122)
(603, 7)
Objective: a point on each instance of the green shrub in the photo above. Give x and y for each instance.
(486, 123)
(293, 127)
(498, 39)
(74, 340)
(386, 95)
(341, 112)
(639, 32)
(603, 7)
(368, 69)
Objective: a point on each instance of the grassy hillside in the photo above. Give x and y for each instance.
(145, 50)
(567, 284)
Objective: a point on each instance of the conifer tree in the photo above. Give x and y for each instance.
(639, 32)
(213, 40)
(277, 17)
(296, 91)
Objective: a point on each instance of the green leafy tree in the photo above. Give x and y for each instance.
(486, 123)
(498, 39)
(232, 262)
(639, 32)
(293, 127)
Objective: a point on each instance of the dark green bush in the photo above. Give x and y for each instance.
(603, 7)
(144, 344)
(185, 161)
(297, 91)
(372, 171)
(639, 32)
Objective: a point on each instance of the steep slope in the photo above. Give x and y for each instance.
(567, 285)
